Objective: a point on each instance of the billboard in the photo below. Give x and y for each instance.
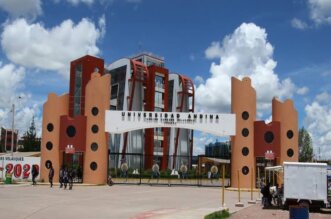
(20, 167)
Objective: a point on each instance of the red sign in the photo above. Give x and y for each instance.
(269, 155)
(70, 149)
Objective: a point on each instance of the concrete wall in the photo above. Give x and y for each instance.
(243, 98)
(54, 107)
(97, 96)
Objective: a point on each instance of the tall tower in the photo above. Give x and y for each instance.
(286, 114)
(243, 98)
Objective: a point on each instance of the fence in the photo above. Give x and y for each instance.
(168, 170)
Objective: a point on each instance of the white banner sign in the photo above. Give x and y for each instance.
(19, 167)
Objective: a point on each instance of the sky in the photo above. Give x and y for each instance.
(284, 46)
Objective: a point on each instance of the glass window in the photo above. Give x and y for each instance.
(158, 98)
(159, 81)
(114, 91)
(78, 89)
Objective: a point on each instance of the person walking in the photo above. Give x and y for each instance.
(70, 178)
(51, 175)
(34, 174)
(65, 177)
(61, 176)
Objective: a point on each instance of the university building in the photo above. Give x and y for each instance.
(73, 124)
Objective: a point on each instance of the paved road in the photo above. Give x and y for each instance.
(119, 201)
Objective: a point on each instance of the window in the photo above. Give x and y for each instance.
(50, 127)
(114, 91)
(78, 89)
(158, 98)
(71, 131)
(159, 81)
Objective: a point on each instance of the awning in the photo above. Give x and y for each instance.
(275, 168)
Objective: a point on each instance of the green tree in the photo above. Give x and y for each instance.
(306, 152)
(30, 141)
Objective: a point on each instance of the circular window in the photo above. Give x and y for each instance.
(94, 146)
(48, 164)
(71, 131)
(245, 151)
(290, 152)
(268, 137)
(93, 166)
(245, 132)
(50, 127)
(49, 145)
(95, 129)
(289, 134)
(245, 115)
(95, 111)
(245, 170)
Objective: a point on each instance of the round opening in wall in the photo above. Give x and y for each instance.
(268, 137)
(95, 129)
(95, 111)
(245, 151)
(245, 115)
(290, 152)
(49, 145)
(245, 170)
(71, 131)
(94, 146)
(48, 164)
(93, 166)
(50, 127)
(289, 134)
(245, 132)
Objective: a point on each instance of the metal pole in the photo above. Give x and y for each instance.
(238, 186)
(259, 180)
(252, 184)
(223, 177)
(12, 132)
(265, 176)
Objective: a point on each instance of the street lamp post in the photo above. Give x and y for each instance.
(12, 131)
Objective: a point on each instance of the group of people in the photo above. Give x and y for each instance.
(66, 177)
(270, 194)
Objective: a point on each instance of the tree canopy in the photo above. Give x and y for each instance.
(30, 141)
(306, 153)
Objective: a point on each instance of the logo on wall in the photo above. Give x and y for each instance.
(70, 149)
(269, 155)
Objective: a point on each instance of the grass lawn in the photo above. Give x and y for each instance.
(218, 215)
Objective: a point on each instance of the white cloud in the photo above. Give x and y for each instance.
(16, 8)
(246, 52)
(318, 123)
(320, 11)
(298, 24)
(214, 51)
(199, 80)
(11, 79)
(11, 82)
(303, 90)
(76, 2)
(200, 140)
(34, 46)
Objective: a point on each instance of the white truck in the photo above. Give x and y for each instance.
(305, 184)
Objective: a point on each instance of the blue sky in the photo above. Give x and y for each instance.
(284, 46)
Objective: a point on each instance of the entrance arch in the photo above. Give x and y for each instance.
(118, 122)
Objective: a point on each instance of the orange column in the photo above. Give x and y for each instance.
(97, 100)
(243, 104)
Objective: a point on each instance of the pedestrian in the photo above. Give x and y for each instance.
(61, 176)
(51, 175)
(65, 177)
(70, 178)
(34, 174)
